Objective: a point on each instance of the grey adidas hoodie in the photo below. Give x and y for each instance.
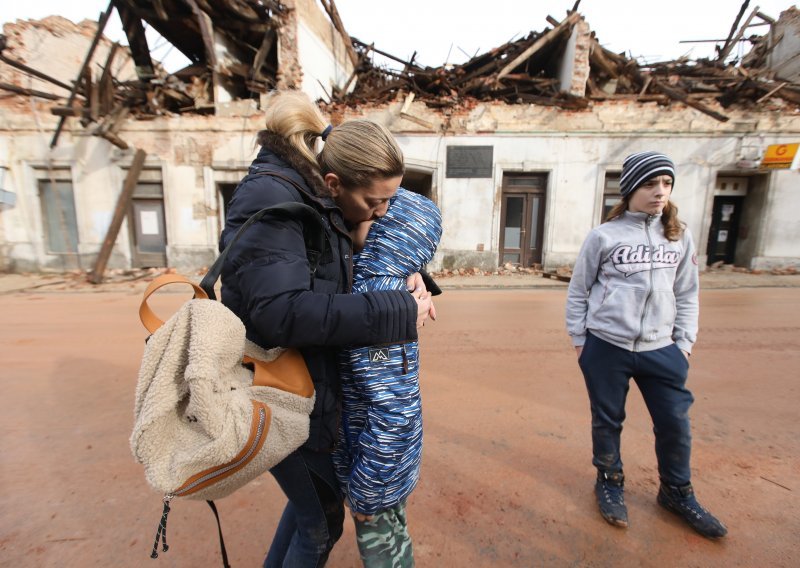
(633, 287)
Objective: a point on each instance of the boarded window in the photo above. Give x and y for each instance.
(58, 215)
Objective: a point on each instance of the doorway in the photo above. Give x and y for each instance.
(724, 231)
(148, 229)
(522, 219)
(225, 192)
(418, 182)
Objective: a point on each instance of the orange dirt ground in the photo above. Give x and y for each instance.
(506, 477)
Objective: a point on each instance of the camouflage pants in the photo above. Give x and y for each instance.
(383, 541)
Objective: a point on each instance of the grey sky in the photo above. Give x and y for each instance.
(452, 30)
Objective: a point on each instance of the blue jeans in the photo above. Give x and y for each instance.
(313, 519)
(661, 377)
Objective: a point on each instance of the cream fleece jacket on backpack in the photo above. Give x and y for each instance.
(201, 428)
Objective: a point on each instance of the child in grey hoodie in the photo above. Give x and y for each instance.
(632, 310)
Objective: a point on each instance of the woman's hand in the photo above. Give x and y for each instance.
(415, 284)
(578, 350)
(424, 306)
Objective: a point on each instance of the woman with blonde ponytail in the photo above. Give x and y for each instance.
(265, 281)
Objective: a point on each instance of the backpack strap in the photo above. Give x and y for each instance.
(161, 533)
(222, 550)
(313, 230)
(149, 319)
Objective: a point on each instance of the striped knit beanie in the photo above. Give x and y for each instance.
(640, 167)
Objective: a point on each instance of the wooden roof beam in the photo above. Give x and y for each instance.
(539, 44)
(101, 24)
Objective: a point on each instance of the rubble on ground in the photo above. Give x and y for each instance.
(76, 280)
(721, 266)
(565, 272)
(507, 269)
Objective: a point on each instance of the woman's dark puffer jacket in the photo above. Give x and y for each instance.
(266, 281)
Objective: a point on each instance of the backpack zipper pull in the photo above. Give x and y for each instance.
(161, 531)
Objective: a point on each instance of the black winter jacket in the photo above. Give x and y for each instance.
(266, 282)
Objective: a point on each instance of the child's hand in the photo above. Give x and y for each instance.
(362, 518)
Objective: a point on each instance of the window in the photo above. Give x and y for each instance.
(611, 194)
(58, 214)
(418, 181)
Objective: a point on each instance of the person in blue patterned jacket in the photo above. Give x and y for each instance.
(377, 460)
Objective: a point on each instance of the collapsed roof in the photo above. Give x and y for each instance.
(246, 29)
(233, 47)
(528, 71)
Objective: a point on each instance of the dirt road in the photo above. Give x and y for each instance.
(506, 480)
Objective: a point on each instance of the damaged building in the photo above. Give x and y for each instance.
(109, 161)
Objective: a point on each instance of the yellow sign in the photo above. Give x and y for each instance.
(781, 156)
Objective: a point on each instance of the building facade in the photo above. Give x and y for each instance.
(516, 183)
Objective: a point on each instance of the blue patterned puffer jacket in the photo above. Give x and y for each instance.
(380, 443)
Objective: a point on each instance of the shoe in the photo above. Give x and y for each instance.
(609, 489)
(682, 502)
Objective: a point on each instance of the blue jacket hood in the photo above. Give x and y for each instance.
(402, 241)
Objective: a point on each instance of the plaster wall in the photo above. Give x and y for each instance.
(751, 224)
(322, 67)
(576, 166)
(783, 59)
(574, 68)
(34, 42)
(782, 233)
(321, 52)
(574, 150)
(179, 153)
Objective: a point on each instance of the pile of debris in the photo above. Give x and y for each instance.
(232, 46)
(526, 71)
(721, 266)
(235, 47)
(508, 269)
(520, 71)
(76, 280)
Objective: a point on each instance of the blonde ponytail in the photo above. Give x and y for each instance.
(357, 151)
(292, 115)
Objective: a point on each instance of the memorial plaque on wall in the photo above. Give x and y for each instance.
(469, 161)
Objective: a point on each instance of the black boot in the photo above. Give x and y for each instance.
(609, 488)
(682, 502)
